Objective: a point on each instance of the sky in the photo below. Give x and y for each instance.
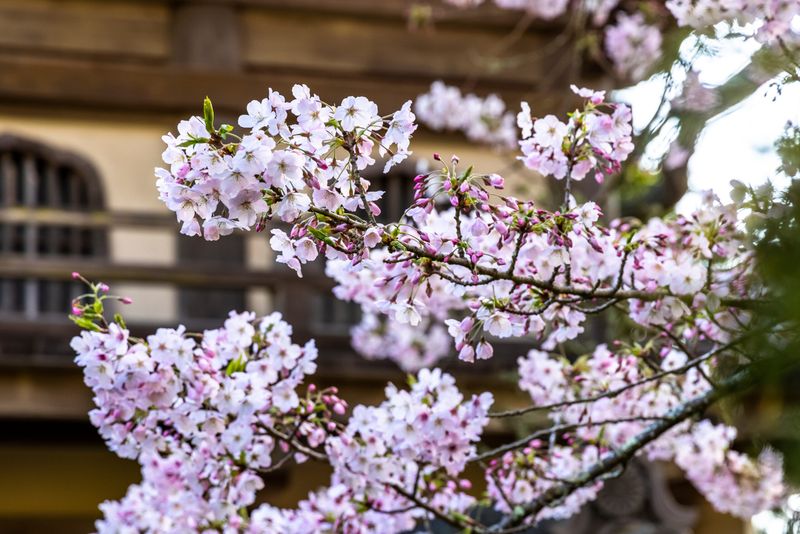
(737, 144)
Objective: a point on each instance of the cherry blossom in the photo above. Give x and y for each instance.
(597, 138)
(632, 45)
(280, 168)
(206, 414)
(483, 120)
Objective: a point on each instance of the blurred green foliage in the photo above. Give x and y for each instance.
(774, 405)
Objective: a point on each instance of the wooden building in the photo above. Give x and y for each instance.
(87, 88)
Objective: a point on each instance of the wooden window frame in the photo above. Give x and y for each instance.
(35, 220)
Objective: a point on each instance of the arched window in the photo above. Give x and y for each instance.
(48, 203)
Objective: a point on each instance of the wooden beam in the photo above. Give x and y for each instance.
(350, 44)
(115, 219)
(95, 85)
(206, 36)
(486, 15)
(196, 276)
(84, 27)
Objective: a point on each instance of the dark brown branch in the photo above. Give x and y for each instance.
(619, 457)
(549, 285)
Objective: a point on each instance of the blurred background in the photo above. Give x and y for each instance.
(88, 87)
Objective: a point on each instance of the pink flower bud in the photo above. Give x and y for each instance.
(126, 300)
(76, 275)
(466, 324)
(103, 287)
(496, 181)
(484, 351)
(501, 228)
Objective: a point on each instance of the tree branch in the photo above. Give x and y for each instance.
(627, 451)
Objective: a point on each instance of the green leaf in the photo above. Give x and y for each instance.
(83, 322)
(224, 130)
(194, 141)
(235, 366)
(208, 114)
(316, 232)
(119, 320)
(320, 235)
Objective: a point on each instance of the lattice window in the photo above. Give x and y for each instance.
(211, 303)
(48, 203)
(333, 315)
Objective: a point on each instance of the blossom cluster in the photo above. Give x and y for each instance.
(417, 441)
(199, 413)
(519, 477)
(287, 163)
(628, 398)
(482, 120)
(429, 424)
(377, 337)
(595, 139)
(205, 414)
(484, 267)
(550, 249)
(632, 45)
(438, 265)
